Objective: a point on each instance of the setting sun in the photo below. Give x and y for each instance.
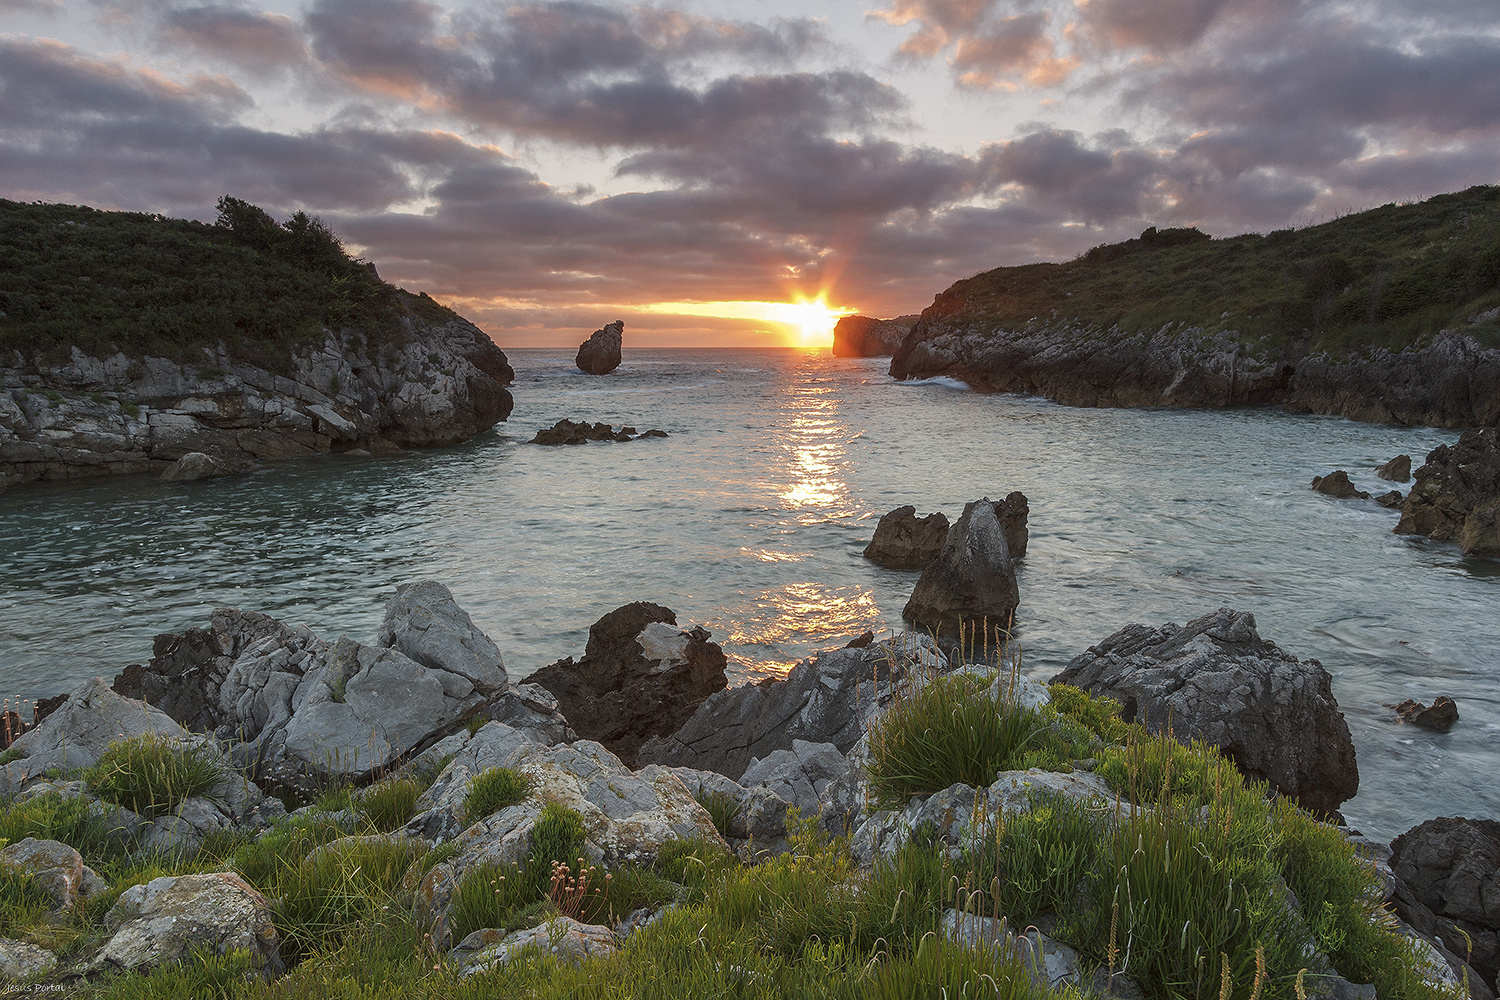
(811, 321)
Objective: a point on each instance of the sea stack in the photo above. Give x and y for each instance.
(600, 354)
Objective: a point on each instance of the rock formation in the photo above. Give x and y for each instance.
(433, 385)
(972, 582)
(1457, 494)
(863, 337)
(1397, 470)
(640, 676)
(1336, 484)
(1438, 717)
(1215, 678)
(1448, 886)
(904, 541)
(567, 431)
(600, 354)
(1012, 513)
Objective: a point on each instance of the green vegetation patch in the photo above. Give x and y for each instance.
(388, 804)
(152, 774)
(721, 808)
(493, 790)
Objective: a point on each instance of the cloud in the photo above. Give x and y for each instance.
(258, 42)
(990, 49)
(46, 7)
(1166, 25)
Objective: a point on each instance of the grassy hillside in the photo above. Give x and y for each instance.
(144, 284)
(1388, 277)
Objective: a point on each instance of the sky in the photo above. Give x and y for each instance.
(694, 167)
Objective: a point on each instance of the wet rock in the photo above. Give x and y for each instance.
(640, 676)
(904, 541)
(424, 622)
(600, 354)
(196, 465)
(563, 937)
(165, 919)
(1336, 484)
(567, 431)
(972, 582)
(825, 699)
(1394, 499)
(1397, 470)
(1448, 887)
(864, 337)
(20, 960)
(1457, 494)
(1438, 717)
(1215, 678)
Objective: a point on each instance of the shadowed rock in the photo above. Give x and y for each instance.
(1397, 470)
(1336, 484)
(863, 337)
(600, 354)
(1012, 513)
(1448, 886)
(1457, 494)
(1438, 717)
(904, 541)
(972, 581)
(1394, 499)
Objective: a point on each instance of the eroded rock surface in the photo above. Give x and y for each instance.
(864, 337)
(168, 917)
(1336, 484)
(971, 585)
(600, 354)
(1457, 494)
(1215, 678)
(904, 541)
(1397, 470)
(1448, 886)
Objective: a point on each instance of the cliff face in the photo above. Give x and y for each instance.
(1453, 382)
(437, 384)
(863, 337)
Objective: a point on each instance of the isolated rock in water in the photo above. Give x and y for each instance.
(1012, 513)
(1394, 499)
(863, 337)
(640, 677)
(424, 622)
(825, 699)
(168, 917)
(1438, 717)
(972, 582)
(1215, 678)
(600, 354)
(1336, 484)
(904, 541)
(197, 465)
(1397, 470)
(78, 733)
(1448, 886)
(567, 431)
(1457, 494)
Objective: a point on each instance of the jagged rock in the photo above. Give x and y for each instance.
(863, 337)
(1448, 888)
(758, 826)
(439, 811)
(1397, 470)
(600, 354)
(904, 541)
(424, 622)
(1215, 678)
(1457, 494)
(800, 775)
(58, 869)
(1394, 499)
(562, 937)
(170, 916)
(972, 583)
(20, 960)
(1438, 717)
(824, 699)
(1012, 513)
(567, 431)
(78, 733)
(640, 676)
(196, 465)
(534, 710)
(1336, 484)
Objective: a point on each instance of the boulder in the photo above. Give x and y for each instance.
(800, 774)
(1447, 874)
(424, 622)
(439, 813)
(825, 699)
(1216, 679)
(1336, 484)
(1397, 470)
(1392, 499)
(196, 465)
(1457, 494)
(1012, 513)
(972, 582)
(757, 827)
(20, 960)
(1051, 965)
(78, 733)
(562, 937)
(1438, 717)
(904, 541)
(58, 869)
(168, 917)
(600, 354)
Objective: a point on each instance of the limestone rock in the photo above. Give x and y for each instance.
(758, 826)
(78, 733)
(1438, 717)
(1457, 494)
(1397, 470)
(600, 354)
(1215, 678)
(57, 868)
(1336, 484)
(1392, 499)
(424, 622)
(904, 541)
(196, 465)
(167, 917)
(800, 774)
(1448, 886)
(863, 337)
(20, 960)
(1012, 513)
(563, 937)
(439, 811)
(825, 699)
(972, 582)
(640, 676)
(1050, 964)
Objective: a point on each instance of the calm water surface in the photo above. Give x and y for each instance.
(751, 517)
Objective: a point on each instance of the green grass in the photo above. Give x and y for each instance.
(388, 804)
(23, 902)
(721, 808)
(152, 774)
(69, 820)
(493, 790)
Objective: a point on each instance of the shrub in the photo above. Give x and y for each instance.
(1148, 768)
(721, 807)
(152, 774)
(388, 805)
(692, 864)
(493, 790)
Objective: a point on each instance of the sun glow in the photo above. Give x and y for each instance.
(811, 321)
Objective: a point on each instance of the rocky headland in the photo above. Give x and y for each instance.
(864, 337)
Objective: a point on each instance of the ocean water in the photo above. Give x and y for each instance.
(750, 519)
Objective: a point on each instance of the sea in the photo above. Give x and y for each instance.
(750, 519)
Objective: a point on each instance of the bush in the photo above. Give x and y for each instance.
(152, 774)
(493, 790)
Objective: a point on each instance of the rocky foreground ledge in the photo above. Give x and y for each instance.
(435, 384)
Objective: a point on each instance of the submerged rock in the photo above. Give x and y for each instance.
(1397, 470)
(1438, 717)
(197, 465)
(904, 541)
(972, 582)
(1457, 494)
(600, 354)
(1216, 679)
(1336, 484)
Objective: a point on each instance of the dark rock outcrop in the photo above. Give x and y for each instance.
(972, 582)
(1438, 717)
(1215, 678)
(1336, 484)
(1397, 470)
(640, 676)
(1457, 494)
(433, 385)
(1394, 499)
(904, 541)
(863, 337)
(600, 354)
(567, 431)
(1448, 886)
(1012, 513)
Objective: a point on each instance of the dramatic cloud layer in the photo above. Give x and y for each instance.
(550, 166)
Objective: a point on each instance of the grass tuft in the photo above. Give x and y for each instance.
(388, 805)
(493, 790)
(721, 808)
(152, 774)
